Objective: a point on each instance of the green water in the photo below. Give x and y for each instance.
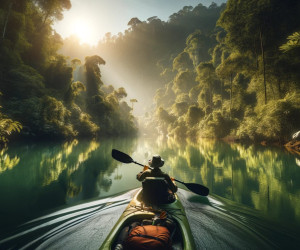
(38, 178)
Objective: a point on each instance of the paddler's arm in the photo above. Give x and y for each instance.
(171, 184)
(142, 175)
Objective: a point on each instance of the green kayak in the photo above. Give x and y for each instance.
(137, 211)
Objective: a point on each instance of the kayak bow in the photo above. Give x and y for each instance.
(137, 211)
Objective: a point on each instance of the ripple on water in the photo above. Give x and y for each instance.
(215, 225)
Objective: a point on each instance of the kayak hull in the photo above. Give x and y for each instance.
(137, 211)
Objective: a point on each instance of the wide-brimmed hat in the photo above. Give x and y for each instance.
(156, 162)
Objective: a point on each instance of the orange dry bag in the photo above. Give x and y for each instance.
(149, 237)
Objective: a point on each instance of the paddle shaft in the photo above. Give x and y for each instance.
(138, 163)
(196, 188)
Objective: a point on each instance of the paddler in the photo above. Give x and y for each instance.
(163, 193)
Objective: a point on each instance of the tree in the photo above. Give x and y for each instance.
(7, 127)
(194, 115)
(197, 45)
(120, 93)
(6, 21)
(133, 101)
(183, 62)
(229, 68)
(75, 63)
(93, 74)
(206, 76)
(74, 90)
(134, 22)
(184, 82)
(53, 9)
(292, 43)
(259, 25)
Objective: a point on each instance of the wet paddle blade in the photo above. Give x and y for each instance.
(197, 188)
(120, 156)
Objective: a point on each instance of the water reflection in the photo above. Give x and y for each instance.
(6, 161)
(264, 178)
(39, 177)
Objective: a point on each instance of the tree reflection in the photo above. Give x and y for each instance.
(7, 162)
(51, 175)
(264, 178)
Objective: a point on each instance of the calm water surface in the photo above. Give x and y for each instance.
(37, 179)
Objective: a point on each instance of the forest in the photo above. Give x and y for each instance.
(39, 96)
(228, 71)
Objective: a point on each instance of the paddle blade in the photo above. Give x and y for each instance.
(120, 156)
(197, 188)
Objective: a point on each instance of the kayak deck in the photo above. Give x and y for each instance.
(136, 211)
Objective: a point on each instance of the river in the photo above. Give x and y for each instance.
(45, 182)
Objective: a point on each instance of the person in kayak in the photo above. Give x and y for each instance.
(157, 191)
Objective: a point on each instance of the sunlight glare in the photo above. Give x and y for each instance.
(84, 31)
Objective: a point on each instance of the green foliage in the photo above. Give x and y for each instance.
(180, 108)
(198, 45)
(194, 115)
(55, 119)
(215, 125)
(164, 116)
(276, 121)
(82, 123)
(58, 75)
(182, 62)
(292, 43)
(7, 127)
(93, 74)
(184, 81)
(120, 93)
(248, 89)
(22, 82)
(53, 9)
(74, 90)
(136, 53)
(37, 83)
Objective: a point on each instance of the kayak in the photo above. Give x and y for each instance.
(137, 211)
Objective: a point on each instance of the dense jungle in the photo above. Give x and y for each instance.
(213, 89)
(217, 71)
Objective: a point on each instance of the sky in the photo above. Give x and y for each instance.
(91, 19)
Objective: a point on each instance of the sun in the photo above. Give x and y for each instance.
(84, 31)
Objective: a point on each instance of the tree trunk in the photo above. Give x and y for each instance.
(279, 88)
(256, 55)
(222, 98)
(230, 95)
(6, 20)
(264, 63)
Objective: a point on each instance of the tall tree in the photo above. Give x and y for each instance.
(259, 25)
(93, 73)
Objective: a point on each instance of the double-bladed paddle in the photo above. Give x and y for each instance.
(194, 187)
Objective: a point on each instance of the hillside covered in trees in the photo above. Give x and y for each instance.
(248, 87)
(218, 71)
(39, 95)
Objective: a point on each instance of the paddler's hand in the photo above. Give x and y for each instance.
(145, 168)
(172, 178)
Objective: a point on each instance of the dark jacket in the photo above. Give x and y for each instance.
(156, 172)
